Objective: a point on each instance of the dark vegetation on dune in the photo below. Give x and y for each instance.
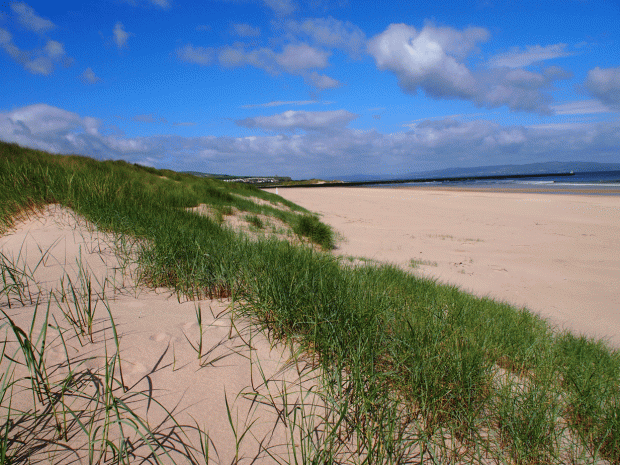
(413, 371)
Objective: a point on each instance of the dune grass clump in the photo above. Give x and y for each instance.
(411, 371)
(255, 221)
(311, 227)
(413, 263)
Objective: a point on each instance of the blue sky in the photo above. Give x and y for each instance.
(321, 88)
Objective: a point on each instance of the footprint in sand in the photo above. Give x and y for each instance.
(189, 326)
(162, 337)
(137, 368)
(94, 364)
(55, 355)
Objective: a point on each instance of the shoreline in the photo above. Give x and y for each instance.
(557, 255)
(556, 190)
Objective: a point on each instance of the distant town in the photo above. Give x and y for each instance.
(259, 180)
(244, 179)
(264, 181)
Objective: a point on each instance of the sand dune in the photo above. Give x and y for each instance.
(556, 254)
(161, 370)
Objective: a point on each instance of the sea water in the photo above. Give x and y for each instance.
(592, 182)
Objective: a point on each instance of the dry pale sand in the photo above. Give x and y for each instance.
(160, 369)
(556, 254)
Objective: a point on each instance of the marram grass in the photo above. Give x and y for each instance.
(411, 371)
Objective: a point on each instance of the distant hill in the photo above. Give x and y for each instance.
(498, 170)
(207, 175)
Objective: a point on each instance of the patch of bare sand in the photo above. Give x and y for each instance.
(556, 254)
(159, 375)
(239, 221)
(264, 202)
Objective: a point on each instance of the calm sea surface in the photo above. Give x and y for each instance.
(593, 182)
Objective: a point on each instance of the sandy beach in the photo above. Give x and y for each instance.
(556, 254)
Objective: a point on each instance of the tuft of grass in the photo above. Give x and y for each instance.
(311, 227)
(226, 210)
(413, 263)
(255, 221)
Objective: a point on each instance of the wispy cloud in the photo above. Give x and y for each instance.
(89, 76)
(310, 46)
(580, 107)
(306, 120)
(330, 33)
(322, 82)
(413, 123)
(149, 118)
(120, 35)
(281, 7)
(38, 61)
(160, 3)
(604, 84)
(518, 58)
(245, 30)
(28, 18)
(297, 59)
(280, 103)
(203, 56)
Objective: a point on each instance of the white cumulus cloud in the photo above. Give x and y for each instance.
(42, 119)
(430, 144)
(56, 130)
(423, 59)
(433, 60)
